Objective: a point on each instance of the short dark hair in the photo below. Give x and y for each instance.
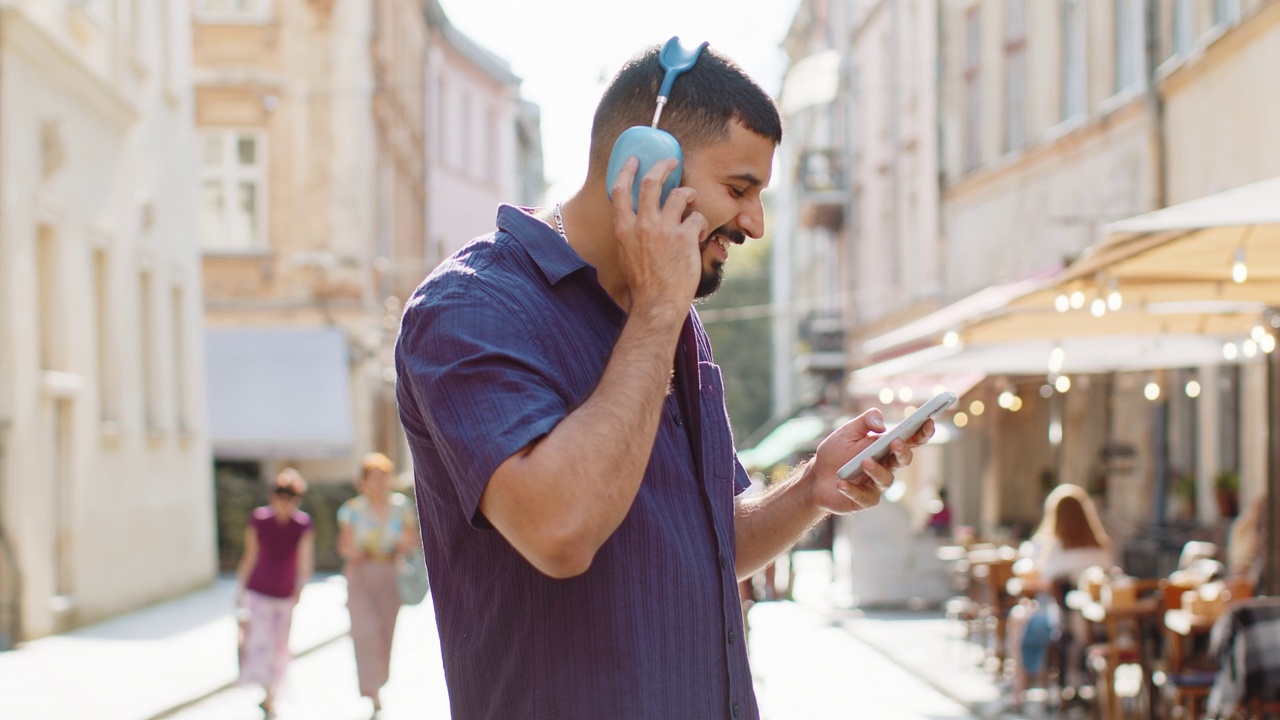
(704, 100)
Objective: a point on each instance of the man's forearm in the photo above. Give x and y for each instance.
(768, 525)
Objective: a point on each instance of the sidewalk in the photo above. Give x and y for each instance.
(809, 659)
(146, 663)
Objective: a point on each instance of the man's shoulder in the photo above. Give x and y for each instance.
(492, 265)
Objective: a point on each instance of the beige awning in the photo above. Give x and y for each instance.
(1171, 271)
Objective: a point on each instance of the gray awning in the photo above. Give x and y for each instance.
(278, 393)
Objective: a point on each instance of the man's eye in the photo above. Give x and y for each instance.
(736, 192)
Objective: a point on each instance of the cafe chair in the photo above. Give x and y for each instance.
(1246, 642)
(1187, 676)
(1124, 644)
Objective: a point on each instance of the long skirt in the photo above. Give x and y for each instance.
(265, 654)
(373, 599)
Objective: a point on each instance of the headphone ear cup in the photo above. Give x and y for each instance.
(650, 146)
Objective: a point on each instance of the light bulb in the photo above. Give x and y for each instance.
(1230, 351)
(1062, 303)
(1267, 344)
(904, 394)
(1239, 271)
(1077, 299)
(1115, 300)
(951, 339)
(886, 396)
(1062, 384)
(1057, 356)
(1193, 389)
(977, 407)
(1098, 307)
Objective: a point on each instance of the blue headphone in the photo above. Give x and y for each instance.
(649, 144)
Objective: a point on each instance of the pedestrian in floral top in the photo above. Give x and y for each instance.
(376, 529)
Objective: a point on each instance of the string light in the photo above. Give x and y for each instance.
(1193, 389)
(977, 407)
(1057, 357)
(1062, 303)
(1152, 391)
(1062, 384)
(1230, 351)
(886, 396)
(1115, 300)
(1077, 299)
(1239, 271)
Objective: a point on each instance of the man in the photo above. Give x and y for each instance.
(574, 465)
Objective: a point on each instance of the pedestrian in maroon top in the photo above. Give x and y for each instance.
(277, 562)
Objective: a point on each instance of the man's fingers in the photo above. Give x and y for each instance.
(871, 421)
(651, 183)
(861, 493)
(620, 193)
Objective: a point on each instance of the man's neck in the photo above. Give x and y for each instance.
(588, 226)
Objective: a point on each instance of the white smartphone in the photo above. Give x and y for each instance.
(878, 449)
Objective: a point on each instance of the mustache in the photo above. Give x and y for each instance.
(737, 237)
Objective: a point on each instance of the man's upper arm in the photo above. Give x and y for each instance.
(482, 386)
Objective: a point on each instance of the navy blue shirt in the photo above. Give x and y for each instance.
(500, 343)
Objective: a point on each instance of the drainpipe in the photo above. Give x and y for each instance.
(10, 607)
(1155, 105)
(895, 232)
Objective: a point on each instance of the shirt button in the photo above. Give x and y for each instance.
(724, 563)
(679, 421)
(730, 637)
(735, 709)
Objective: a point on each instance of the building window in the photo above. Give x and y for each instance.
(108, 388)
(179, 339)
(1184, 26)
(1015, 55)
(973, 89)
(146, 349)
(233, 11)
(233, 191)
(48, 315)
(1128, 45)
(1073, 59)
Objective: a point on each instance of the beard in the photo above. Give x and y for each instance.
(711, 279)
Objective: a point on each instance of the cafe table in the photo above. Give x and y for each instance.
(1122, 622)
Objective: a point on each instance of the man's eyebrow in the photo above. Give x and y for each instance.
(748, 178)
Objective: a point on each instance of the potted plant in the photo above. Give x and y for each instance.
(1184, 491)
(1226, 485)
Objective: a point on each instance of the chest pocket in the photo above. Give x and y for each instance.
(717, 455)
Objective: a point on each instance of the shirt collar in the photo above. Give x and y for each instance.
(552, 254)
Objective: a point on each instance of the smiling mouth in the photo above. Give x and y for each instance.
(723, 237)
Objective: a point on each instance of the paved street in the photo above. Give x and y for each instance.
(806, 667)
(322, 683)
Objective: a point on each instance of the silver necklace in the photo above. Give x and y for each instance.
(560, 223)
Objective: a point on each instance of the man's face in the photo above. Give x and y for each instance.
(729, 177)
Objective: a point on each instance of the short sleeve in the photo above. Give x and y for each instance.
(345, 513)
(479, 382)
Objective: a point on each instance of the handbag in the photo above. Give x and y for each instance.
(412, 579)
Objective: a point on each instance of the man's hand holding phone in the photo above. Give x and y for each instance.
(863, 489)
